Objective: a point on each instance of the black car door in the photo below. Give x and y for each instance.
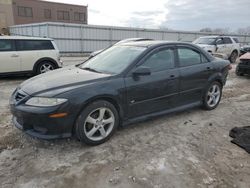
(195, 70)
(157, 91)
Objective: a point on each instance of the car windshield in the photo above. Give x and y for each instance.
(209, 41)
(113, 60)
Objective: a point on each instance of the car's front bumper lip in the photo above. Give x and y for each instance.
(38, 123)
(36, 134)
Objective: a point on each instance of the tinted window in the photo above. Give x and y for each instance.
(161, 60)
(6, 45)
(23, 45)
(188, 57)
(227, 40)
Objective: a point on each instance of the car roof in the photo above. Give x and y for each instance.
(24, 37)
(215, 36)
(151, 43)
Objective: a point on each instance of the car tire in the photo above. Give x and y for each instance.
(212, 96)
(45, 66)
(97, 123)
(233, 57)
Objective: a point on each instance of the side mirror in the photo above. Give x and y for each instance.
(141, 71)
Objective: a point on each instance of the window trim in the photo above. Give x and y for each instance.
(13, 45)
(194, 49)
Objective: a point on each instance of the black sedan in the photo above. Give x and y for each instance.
(126, 83)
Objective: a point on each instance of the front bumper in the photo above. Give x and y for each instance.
(36, 122)
(244, 69)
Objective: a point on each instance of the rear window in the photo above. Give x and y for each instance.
(6, 45)
(188, 57)
(27, 45)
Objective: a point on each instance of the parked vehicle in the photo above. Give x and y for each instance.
(28, 55)
(244, 66)
(220, 44)
(244, 50)
(126, 83)
(120, 42)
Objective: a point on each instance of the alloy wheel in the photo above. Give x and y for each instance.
(234, 57)
(46, 67)
(213, 95)
(99, 124)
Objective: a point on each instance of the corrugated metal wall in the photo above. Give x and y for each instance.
(76, 38)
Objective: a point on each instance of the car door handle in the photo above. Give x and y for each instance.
(172, 76)
(14, 55)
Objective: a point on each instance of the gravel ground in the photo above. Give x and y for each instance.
(187, 149)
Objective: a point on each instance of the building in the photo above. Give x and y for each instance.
(15, 12)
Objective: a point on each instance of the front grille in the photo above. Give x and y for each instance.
(20, 95)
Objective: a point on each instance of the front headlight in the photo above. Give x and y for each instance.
(45, 102)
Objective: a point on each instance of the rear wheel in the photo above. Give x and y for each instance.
(212, 96)
(233, 57)
(97, 123)
(44, 67)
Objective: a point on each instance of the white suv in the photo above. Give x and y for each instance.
(228, 46)
(28, 55)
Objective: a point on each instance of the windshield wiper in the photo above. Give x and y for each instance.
(90, 69)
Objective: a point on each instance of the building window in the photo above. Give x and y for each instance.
(25, 11)
(84, 17)
(47, 13)
(79, 16)
(62, 15)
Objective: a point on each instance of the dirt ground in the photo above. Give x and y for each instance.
(187, 149)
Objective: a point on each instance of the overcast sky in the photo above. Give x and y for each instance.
(173, 14)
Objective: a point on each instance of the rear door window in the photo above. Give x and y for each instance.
(29, 45)
(188, 57)
(6, 45)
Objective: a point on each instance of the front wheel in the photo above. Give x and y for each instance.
(97, 123)
(212, 96)
(233, 57)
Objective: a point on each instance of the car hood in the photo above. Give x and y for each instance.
(60, 79)
(205, 45)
